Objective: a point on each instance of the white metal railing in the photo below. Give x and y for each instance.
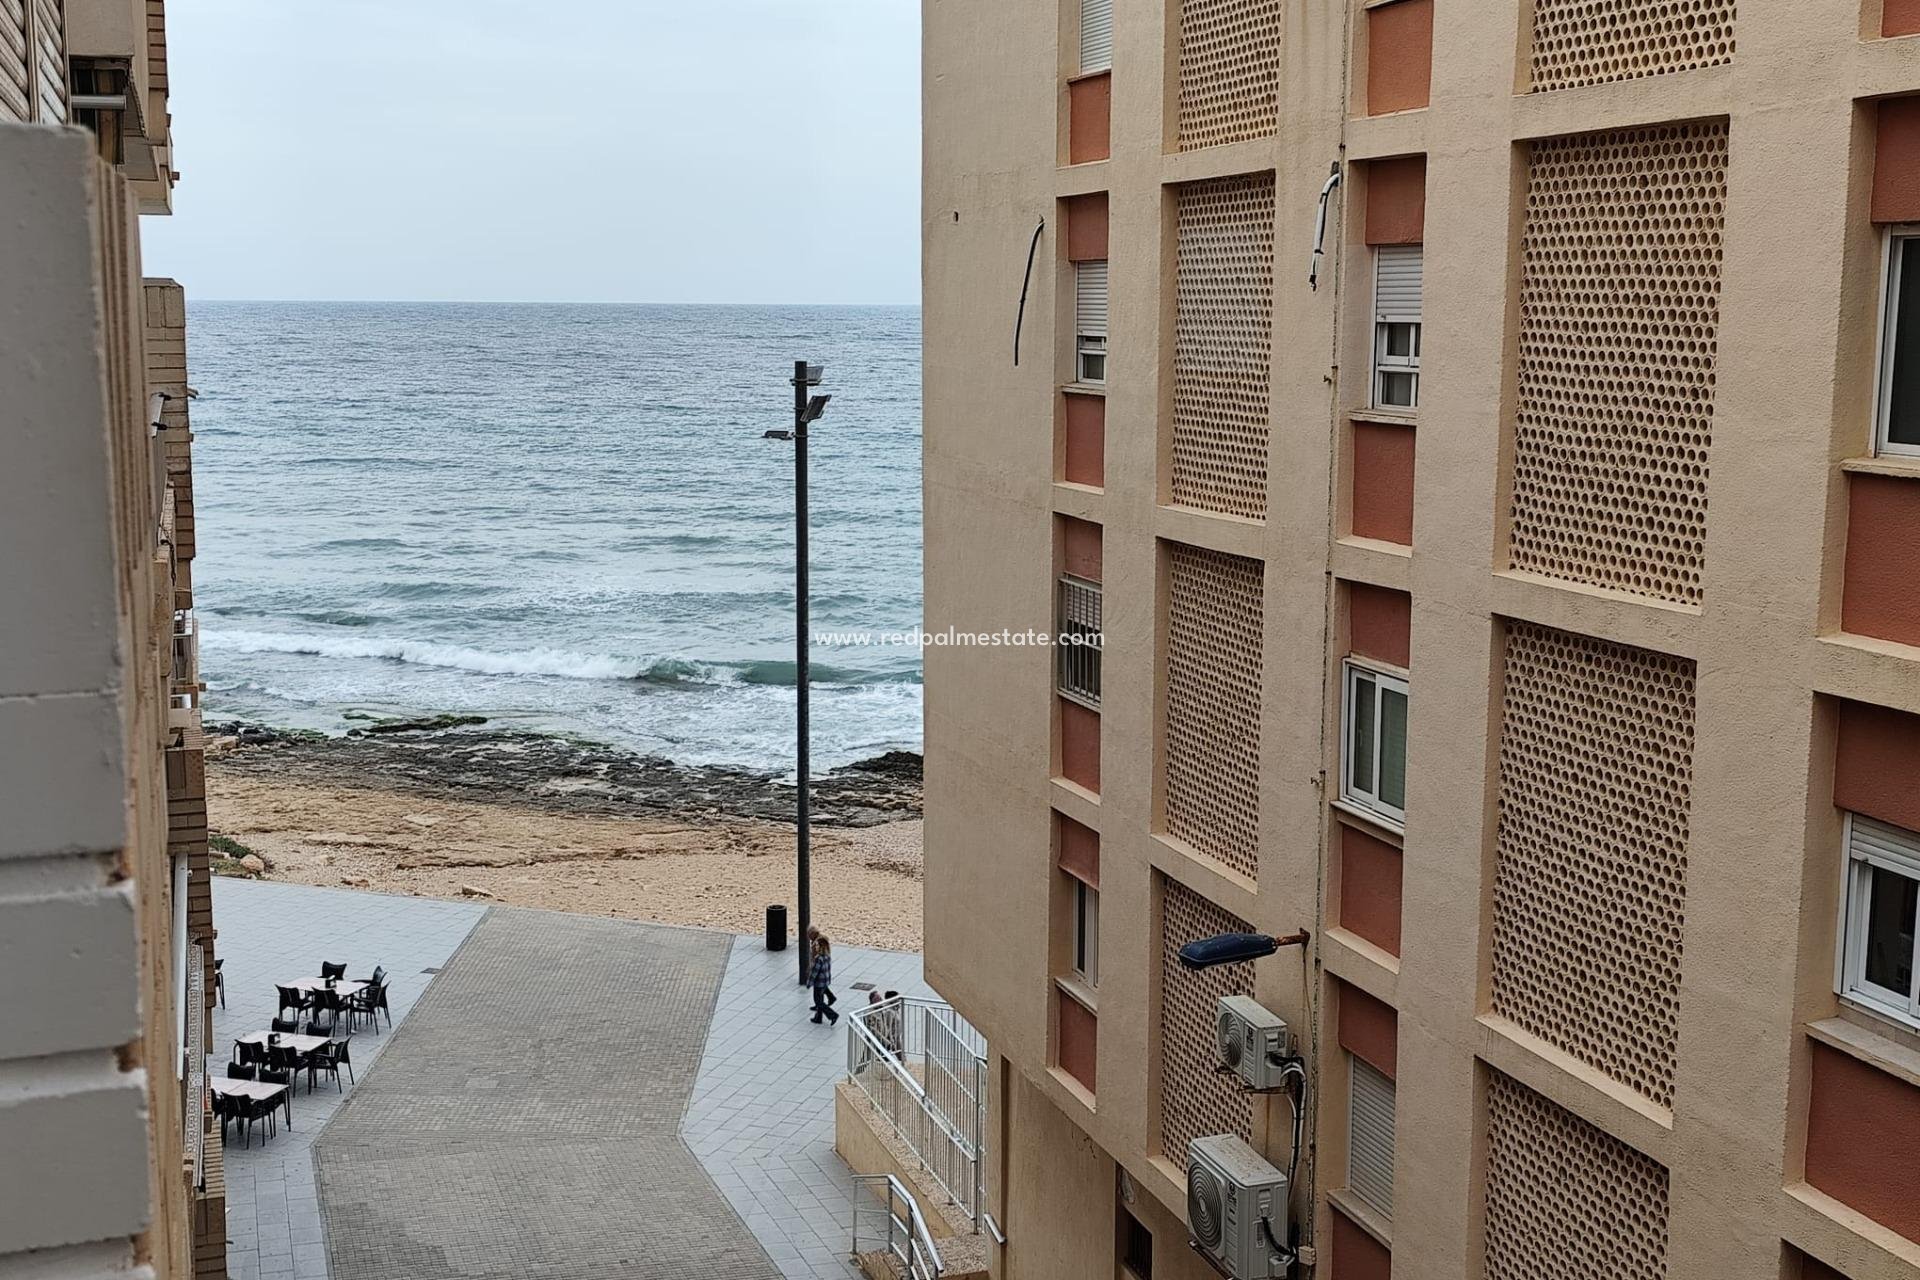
(923, 1067)
(901, 1234)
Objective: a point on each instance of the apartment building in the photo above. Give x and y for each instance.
(106, 924)
(1486, 438)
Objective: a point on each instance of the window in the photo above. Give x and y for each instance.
(1373, 738)
(1397, 288)
(1136, 1247)
(1096, 35)
(1898, 428)
(1370, 1137)
(1879, 961)
(1086, 932)
(1079, 641)
(1090, 322)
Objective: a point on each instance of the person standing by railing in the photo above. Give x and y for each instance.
(820, 977)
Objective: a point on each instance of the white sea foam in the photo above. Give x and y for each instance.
(528, 662)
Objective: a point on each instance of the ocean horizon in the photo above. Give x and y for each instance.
(560, 516)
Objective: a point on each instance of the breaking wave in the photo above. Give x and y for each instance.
(527, 662)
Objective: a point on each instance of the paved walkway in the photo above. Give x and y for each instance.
(524, 1122)
(566, 1099)
(761, 1117)
(270, 933)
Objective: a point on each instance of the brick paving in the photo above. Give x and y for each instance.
(270, 933)
(525, 1120)
(761, 1115)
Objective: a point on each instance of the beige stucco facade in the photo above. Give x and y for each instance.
(1698, 681)
(105, 899)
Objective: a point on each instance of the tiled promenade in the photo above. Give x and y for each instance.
(572, 1097)
(761, 1118)
(271, 933)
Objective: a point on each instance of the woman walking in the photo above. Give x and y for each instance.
(821, 976)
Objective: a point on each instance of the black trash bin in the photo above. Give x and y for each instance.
(776, 928)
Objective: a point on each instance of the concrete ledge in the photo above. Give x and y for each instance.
(74, 1130)
(79, 949)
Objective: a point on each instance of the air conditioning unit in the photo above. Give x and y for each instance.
(1237, 1208)
(1251, 1040)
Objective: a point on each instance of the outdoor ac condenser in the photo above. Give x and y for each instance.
(1237, 1208)
(1252, 1041)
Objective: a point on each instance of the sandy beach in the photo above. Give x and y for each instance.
(569, 831)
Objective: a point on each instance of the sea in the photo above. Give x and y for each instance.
(562, 518)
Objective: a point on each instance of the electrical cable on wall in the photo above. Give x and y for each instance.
(1320, 228)
(1020, 318)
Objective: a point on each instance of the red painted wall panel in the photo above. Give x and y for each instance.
(1876, 761)
(1079, 1040)
(1369, 1029)
(1880, 598)
(1863, 1128)
(1383, 482)
(1399, 56)
(1089, 119)
(1397, 201)
(1087, 228)
(1086, 426)
(1379, 624)
(1080, 745)
(1080, 548)
(1357, 1255)
(1370, 888)
(1079, 850)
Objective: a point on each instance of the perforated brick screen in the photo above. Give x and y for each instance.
(1564, 1200)
(1619, 317)
(1214, 630)
(1223, 344)
(1229, 71)
(1195, 1100)
(1596, 769)
(1578, 42)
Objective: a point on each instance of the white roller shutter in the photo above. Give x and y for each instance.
(1370, 1138)
(1397, 282)
(1090, 299)
(1883, 845)
(1096, 35)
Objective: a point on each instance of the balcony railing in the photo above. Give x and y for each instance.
(923, 1067)
(887, 1221)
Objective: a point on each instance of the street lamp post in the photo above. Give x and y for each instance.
(807, 409)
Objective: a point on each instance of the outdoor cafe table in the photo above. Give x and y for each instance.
(344, 987)
(257, 1089)
(288, 1040)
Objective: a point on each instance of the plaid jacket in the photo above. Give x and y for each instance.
(822, 972)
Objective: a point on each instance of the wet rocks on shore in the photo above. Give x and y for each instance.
(452, 756)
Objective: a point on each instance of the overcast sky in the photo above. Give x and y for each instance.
(544, 150)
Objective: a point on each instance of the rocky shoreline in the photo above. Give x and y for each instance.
(459, 759)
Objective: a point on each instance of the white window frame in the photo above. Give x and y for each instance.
(1384, 323)
(182, 879)
(1088, 345)
(1084, 932)
(1371, 1185)
(1890, 265)
(1353, 671)
(1897, 851)
(1101, 57)
(1080, 612)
